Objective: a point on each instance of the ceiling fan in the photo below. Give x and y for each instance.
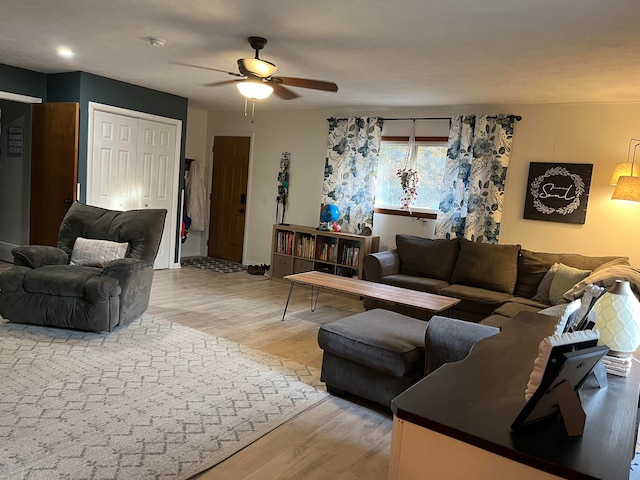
(256, 79)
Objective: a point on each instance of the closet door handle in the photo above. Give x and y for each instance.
(241, 210)
(243, 198)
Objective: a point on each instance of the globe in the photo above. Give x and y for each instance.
(329, 213)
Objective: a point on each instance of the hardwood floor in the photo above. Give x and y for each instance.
(337, 439)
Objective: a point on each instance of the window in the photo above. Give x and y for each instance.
(430, 163)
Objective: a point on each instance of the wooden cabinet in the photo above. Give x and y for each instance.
(297, 249)
(464, 410)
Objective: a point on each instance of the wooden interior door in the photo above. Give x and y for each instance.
(228, 197)
(54, 168)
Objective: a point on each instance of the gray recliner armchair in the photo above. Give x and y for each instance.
(84, 289)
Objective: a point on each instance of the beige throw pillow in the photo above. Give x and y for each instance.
(96, 253)
(563, 280)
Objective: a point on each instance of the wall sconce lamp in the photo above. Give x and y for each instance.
(617, 315)
(626, 177)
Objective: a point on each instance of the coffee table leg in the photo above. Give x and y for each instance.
(288, 298)
(314, 304)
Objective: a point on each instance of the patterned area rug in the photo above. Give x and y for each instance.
(153, 399)
(210, 263)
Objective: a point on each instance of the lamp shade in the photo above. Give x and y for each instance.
(254, 89)
(623, 169)
(617, 315)
(628, 188)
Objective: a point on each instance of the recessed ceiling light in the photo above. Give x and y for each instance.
(65, 52)
(156, 42)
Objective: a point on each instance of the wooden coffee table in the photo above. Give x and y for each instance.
(429, 302)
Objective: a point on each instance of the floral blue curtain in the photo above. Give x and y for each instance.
(350, 170)
(475, 173)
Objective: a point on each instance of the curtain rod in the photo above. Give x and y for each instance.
(414, 118)
(516, 117)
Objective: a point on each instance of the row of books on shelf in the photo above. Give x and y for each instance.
(350, 255)
(327, 252)
(284, 242)
(306, 247)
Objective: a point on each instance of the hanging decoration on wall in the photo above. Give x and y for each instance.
(283, 185)
(408, 174)
(558, 192)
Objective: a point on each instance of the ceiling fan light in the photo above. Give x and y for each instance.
(254, 90)
(258, 67)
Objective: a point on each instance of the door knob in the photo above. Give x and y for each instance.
(241, 210)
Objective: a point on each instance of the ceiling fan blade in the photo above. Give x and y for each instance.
(283, 92)
(306, 83)
(207, 68)
(219, 84)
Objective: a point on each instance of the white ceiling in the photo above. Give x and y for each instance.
(381, 53)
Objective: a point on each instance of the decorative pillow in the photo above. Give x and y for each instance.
(427, 258)
(563, 280)
(96, 253)
(485, 265)
(542, 293)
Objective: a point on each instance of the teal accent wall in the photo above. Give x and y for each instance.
(23, 82)
(83, 87)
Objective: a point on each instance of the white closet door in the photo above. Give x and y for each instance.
(133, 167)
(156, 151)
(114, 181)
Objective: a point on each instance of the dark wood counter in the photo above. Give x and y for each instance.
(476, 400)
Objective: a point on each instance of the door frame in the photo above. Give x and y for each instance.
(172, 216)
(209, 174)
(5, 247)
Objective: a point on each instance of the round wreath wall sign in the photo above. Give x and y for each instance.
(542, 188)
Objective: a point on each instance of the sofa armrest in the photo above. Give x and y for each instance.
(450, 340)
(376, 266)
(123, 269)
(135, 278)
(35, 256)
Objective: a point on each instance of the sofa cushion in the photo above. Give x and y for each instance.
(426, 257)
(476, 300)
(422, 284)
(60, 280)
(488, 266)
(386, 341)
(564, 280)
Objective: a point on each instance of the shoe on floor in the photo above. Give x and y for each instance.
(255, 270)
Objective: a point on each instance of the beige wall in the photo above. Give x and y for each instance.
(576, 133)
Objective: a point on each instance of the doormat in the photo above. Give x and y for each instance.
(210, 263)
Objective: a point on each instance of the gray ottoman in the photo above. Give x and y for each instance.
(376, 354)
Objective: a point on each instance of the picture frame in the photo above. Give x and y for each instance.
(558, 192)
(569, 365)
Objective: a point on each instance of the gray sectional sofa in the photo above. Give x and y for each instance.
(494, 282)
